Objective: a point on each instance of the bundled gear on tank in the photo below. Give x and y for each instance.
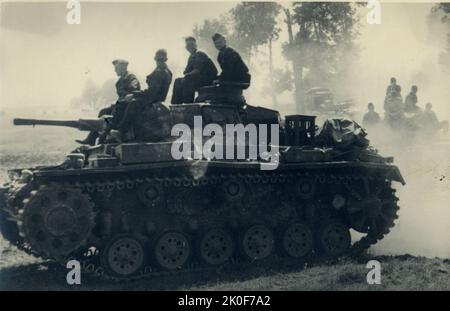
(342, 134)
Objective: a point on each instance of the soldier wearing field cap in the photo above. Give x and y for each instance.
(125, 86)
(127, 83)
(200, 71)
(234, 70)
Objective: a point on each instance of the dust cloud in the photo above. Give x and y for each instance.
(407, 45)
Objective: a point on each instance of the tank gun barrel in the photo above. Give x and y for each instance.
(97, 125)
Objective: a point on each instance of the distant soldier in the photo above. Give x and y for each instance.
(125, 86)
(431, 121)
(411, 101)
(371, 118)
(200, 71)
(429, 116)
(394, 108)
(234, 70)
(391, 86)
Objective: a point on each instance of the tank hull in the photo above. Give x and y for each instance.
(202, 213)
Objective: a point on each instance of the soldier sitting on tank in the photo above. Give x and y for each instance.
(371, 118)
(411, 101)
(158, 82)
(145, 116)
(234, 70)
(125, 86)
(200, 71)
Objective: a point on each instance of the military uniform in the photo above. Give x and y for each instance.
(411, 103)
(371, 118)
(394, 110)
(158, 83)
(233, 67)
(125, 85)
(184, 88)
(390, 88)
(430, 119)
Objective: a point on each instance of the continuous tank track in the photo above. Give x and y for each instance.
(150, 226)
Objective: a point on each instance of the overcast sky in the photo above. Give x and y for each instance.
(43, 57)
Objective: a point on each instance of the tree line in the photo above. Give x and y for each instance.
(319, 47)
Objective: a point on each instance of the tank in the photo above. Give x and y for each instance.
(127, 210)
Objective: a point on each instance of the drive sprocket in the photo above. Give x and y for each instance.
(56, 220)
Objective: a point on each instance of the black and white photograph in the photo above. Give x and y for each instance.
(212, 147)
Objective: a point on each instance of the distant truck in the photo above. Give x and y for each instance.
(320, 101)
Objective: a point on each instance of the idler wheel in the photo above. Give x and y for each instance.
(333, 239)
(258, 242)
(172, 250)
(216, 247)
(298, 240)
(373, 209)
(56, 221)
(123, 256)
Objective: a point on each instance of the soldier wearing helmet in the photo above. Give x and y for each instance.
(159, 80)
(147, 104)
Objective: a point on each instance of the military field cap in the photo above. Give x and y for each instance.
(161, 55)
(217, 36)
(119, 61)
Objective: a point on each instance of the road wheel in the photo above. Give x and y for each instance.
(172, 250)
(333, 239)
(297, 240)
(216, 247)
(123, 256)
(258, 242)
